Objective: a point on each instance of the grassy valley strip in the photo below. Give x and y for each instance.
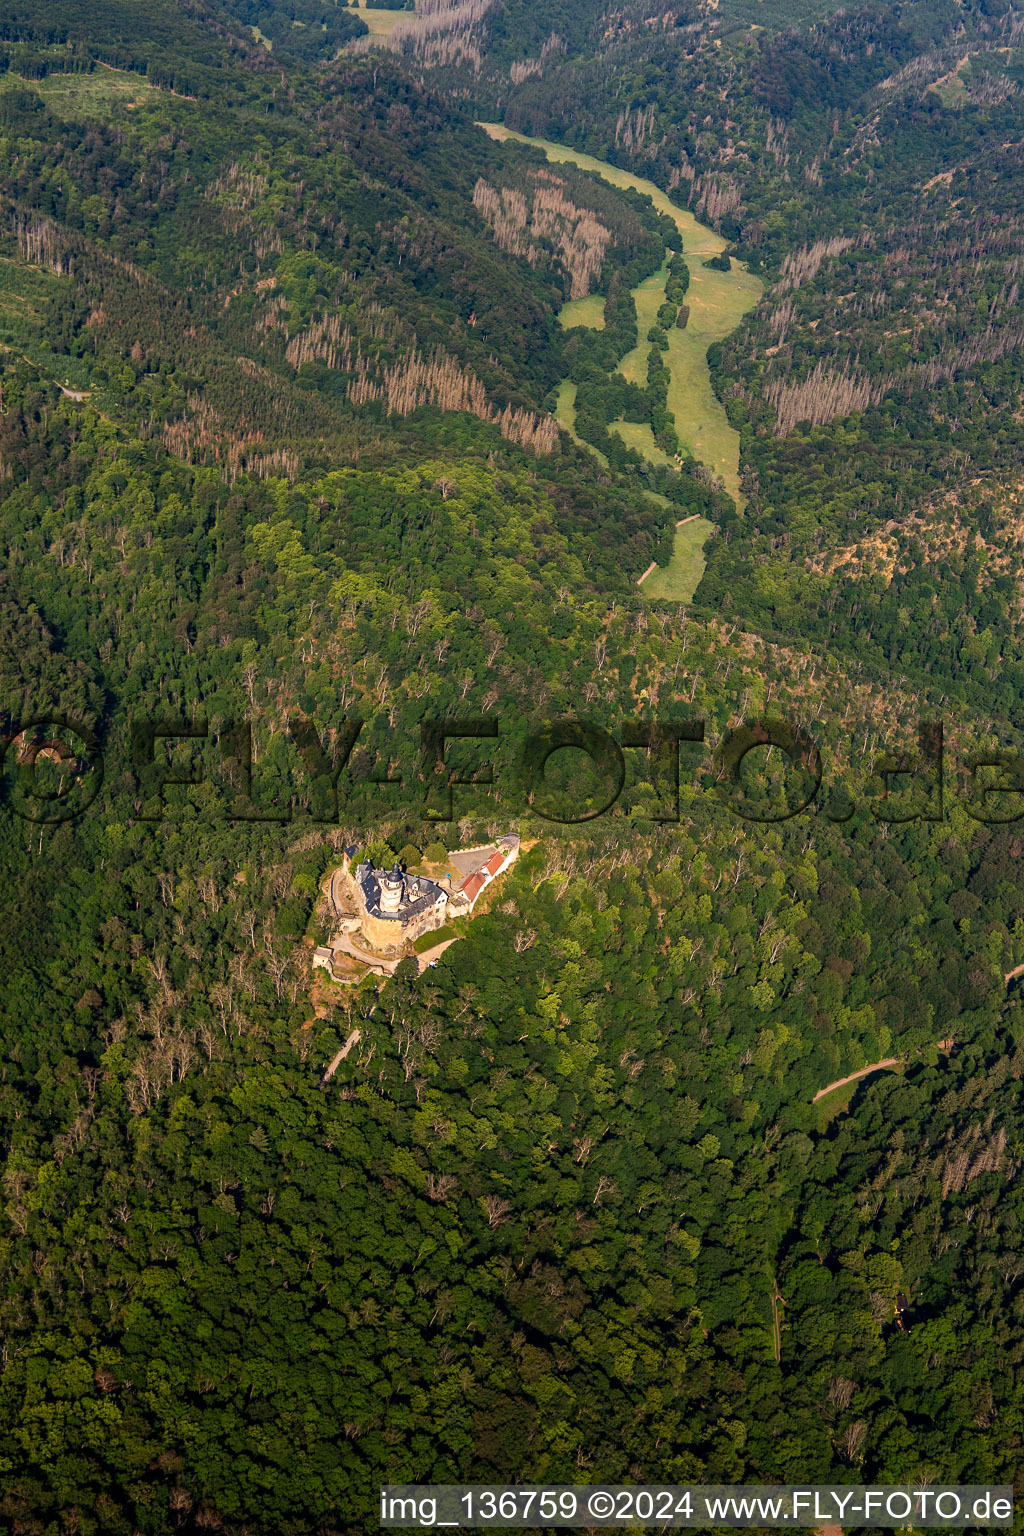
(717, 302)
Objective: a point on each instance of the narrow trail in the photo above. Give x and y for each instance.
(336, 1061)
(1018, 970)
(889, 1061)
(841, 1082)
(777, 1301)
(336, 891)
(435, 952)
(654, 564)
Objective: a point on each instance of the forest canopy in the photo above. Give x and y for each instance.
(694, 1158)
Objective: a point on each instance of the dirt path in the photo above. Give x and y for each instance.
(432, 954)
(336, 889)
(380, 967)
(353, 1039)
(891, 1061)
(777, 1301)
(1018, 970)
(841, 1082)
(654, 564)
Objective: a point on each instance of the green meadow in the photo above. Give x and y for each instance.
(588, 312)
(717, 301)
(381, 22)
(638, 435)
(565, 415)
(677, 581)
(95, 94)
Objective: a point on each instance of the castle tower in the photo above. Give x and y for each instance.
(391, 890)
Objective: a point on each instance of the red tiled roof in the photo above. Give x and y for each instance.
(474, 883)
(473, 886)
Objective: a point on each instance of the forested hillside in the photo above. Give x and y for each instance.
(869, 165)
(279, 484)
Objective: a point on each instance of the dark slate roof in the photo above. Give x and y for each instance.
(418, 895)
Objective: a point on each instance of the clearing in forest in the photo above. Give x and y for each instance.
(717, 302)
(565, 415)
(96, 94)
(588, 312)
(380, 21)
(677, 581)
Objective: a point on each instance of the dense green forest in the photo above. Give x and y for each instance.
(869, 165)
(279, 486)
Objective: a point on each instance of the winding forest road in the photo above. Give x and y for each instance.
(778, 1300)
(841, 1082)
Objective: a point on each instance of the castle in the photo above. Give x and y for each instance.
(397, 907)
(388, 909)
